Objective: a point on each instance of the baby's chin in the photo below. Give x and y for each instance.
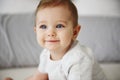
(52, 49)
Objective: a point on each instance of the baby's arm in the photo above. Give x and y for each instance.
(38, 76)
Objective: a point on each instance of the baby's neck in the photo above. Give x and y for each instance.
(56, 55)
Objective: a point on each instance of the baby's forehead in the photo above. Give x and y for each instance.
(54, 13)
(63, 10)
(70, 11)
(65, 7)
(60, 9)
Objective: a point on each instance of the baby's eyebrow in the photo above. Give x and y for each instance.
(63, 21)
(41, 22)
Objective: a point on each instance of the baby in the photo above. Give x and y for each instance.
(63, 58)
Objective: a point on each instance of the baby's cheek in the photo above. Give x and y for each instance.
(40, 40)
(68, 36)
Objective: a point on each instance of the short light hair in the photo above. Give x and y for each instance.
(53, 3)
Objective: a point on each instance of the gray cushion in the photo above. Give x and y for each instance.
(19, 48)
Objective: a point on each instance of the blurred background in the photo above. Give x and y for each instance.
(85, 7)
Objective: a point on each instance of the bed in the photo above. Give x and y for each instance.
(19, 51)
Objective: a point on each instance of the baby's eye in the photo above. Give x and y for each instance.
(59, 26)
(43, 27)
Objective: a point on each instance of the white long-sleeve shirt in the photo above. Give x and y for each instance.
(77, 64)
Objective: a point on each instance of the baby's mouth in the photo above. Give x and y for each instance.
(52, 41)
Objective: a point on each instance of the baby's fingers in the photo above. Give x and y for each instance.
(8, 78)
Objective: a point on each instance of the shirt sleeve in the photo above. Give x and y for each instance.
(42, 61)
(81, 70)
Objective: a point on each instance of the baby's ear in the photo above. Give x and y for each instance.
(76, 31)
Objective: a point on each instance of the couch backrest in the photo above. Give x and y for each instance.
(19, 48)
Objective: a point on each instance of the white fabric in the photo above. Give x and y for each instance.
(77, 64)
(112, 71)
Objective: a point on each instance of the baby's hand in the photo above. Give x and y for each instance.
(38, 76)
(41, 76)
(8, 78)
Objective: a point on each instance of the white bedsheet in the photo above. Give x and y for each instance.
(112, 71)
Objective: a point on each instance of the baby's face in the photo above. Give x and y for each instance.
(54, 28)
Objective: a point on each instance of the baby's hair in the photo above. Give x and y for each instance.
(53, 3)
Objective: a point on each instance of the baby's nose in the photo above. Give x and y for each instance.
(51, 33)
